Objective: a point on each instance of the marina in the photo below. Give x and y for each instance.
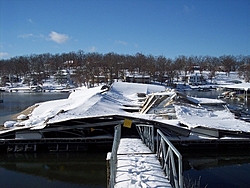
(89, 115)
(124, 94)
(180, 136)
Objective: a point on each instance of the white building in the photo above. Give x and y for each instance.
(195, 79)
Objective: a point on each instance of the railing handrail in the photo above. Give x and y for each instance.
(146, 133)
(165, 153)
(166, 158)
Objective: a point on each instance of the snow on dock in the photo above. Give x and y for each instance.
(137, 166)
(132, 146)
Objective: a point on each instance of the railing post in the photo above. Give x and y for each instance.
(157, 145)
(153, 139)
(113, 156)
(180, 170)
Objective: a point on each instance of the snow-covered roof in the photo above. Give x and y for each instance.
(201, 117)
(197, 100)
(242, 86)
(94, 102)
(87, 103)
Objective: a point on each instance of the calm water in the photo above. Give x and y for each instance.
(16, 102)
(88, 169)
(228, 169)
(62, 170)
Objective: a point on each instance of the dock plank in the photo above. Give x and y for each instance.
(137, 166)
(132, 146)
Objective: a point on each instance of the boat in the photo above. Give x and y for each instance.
(26, 89)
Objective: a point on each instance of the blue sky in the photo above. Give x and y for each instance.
(152, 27)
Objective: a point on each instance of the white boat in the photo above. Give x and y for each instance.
(26, 89)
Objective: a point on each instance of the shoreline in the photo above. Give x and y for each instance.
(26, 112)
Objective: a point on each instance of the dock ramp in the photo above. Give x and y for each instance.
(134, 163)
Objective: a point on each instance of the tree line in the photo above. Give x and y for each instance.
(91, 67)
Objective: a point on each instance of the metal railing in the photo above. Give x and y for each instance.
(146, 133)
(166, 153)
(113, 156)
(169, 158)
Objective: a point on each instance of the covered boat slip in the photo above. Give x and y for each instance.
(54, 144)
(238, 91)
(85, 126)
(69, 135)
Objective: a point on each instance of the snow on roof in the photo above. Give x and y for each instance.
(242, 86)
(91, 102)
(130, 89)
(223, 119)
(205, 100)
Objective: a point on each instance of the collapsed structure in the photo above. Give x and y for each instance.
(89, 116)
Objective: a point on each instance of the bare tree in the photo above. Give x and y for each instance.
(229, 63)
(162, 65)
(244, 68)
(110, 65)
(171, 71)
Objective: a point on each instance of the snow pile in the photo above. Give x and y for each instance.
(9, 124)
(194, 117)
(22, 117)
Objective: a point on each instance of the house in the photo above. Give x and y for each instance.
(195, 79)
(138, 78)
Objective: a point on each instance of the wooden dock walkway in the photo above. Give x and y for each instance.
(137, 166)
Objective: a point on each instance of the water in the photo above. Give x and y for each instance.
(88, 169)
(62, 170)
(218, 168)
(14, 103)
